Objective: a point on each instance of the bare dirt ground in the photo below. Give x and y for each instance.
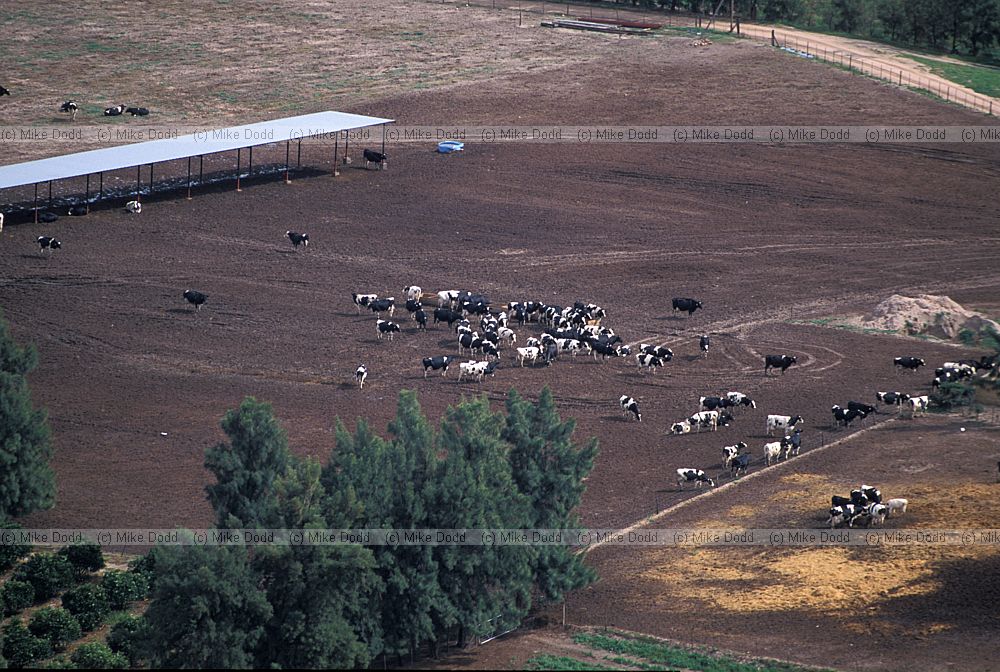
(762, 234)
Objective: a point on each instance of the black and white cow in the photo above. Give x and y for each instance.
(4, 91)
(476, 370)
(137, 111)
(837, 500)
(844, 513)
(686, 305)
(383, 327)
(77, 211)
(918, 405)
(47, 243)
(386, 305)
(705, 419)
(659, 351)
(360, 374)
(115, 111)
(362, 300)
(630, 405)
(778, 362)
(371, 156)
(845, 417)
(782, 422)
(740, 399)
(696, 476)
(69, 107)
(440, 362)
(412, 305)
(911, 363)
(649, 362)
(469, 341)
(420, 317)
(298, 238)
(871, 493)
(682, 427)
(489, 349)
(714, 403)
(413, 292)
(892, 398)
(739, 463)
(864, 409)
(730, 453)
(605, 350)
(448, 297)
(529, 354)
(703, 344)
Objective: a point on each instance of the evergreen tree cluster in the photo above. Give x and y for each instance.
(344, 606)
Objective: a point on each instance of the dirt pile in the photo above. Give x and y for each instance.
(937, 316)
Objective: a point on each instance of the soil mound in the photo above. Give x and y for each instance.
(937, 316)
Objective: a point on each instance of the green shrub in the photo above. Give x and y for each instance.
(124, 635)
(146, 566)
(56, 625)
(21, 648)
(954, 394)
(97, 656)
(88, 604)
(49, 574)
(16, 595)
(85, 558)
(124, 587)
(11, 553)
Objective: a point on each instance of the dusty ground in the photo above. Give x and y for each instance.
(763, 235)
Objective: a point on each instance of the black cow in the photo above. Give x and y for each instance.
(686, 305)
(77, 211)
(703, 344)
(871, 493)
(412, 305)
(48, 217)
(298, 238)
(137, 111)
(379, 306)
(864, 409)
(4, 92)
(47, 243)
(911, 363)
(446, 315)
(115, 111)
(605, 349)
(739, 463)
(837, 500)
(383, 327)
(440, 362)
(371, 156)
(421, 318)
(778, 362)
(195, 298)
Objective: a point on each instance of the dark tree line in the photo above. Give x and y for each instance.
(344, 606)
(960, 26)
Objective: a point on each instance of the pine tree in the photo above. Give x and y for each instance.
(27, 483)
(247, 467)
(549, 469)
(207, 610)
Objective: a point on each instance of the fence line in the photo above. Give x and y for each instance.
(853, 62)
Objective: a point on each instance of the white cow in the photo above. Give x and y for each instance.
(918, 405)
(897, 505)
(772, 451)
(447, 297)
(782, 422)
(528, 354)
(412, 293)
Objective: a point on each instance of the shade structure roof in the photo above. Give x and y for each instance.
(182, 147)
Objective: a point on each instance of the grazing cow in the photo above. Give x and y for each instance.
(477, 369)
(859, 498)
(506, 336)
(739, 463)
(892, 398)
(772, 451)
(4, 91)
(876, 513)
(529, 353)
(713, 403)
(730, 453)
(371, 156)
(630, 405)
(133, 207)
(446, 315)
(845, 513)
(69, 107)
(682, 427)
(686, 305)
(386, 305)
(47, 243)
(77, 211)
(137, 111)
(440, 362)
(489, 349)
(897, 505)
(918, 405)
(697, 476)
(195, 298)
(911, 363)
(666, 354)
(841, 416)
(360, 374)
(782, 422)
(573, 346)
(703, 343)
(413, 292)
(740, 399)
(363, 300)
(778, 362)
(605, 350)
(115, 111)
(649, 362)
(298, 238)
(709, 419)
(420, 317)
(383, 327)
(448, 297)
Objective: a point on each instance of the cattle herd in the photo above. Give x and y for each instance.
(578, 329)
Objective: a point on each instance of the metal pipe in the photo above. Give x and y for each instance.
(150, 179)
(383, 139)
(201, 169)
(36, 203)
(250, 165)
(238, 150)
(288, 149)
(86, 197)
(189, 178)
(50, 195)
(100, 193)
(138, 182)
(336, 145)
(298, 159)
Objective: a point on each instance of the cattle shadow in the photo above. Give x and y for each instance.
(181, 311)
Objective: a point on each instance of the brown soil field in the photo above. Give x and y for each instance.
(768, 236)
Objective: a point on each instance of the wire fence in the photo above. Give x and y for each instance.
(849, 60)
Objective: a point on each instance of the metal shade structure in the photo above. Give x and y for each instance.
(99, 161)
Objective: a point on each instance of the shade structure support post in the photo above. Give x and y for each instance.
(298, 158)
(201, 169)
(100, 189)
(86, 195)
(189, 178)
(150, 179)
(383, 139)
(50, 195)
(36, 203)
(250, 164)
(288, 150)
(336, 146)
(138, 182)
(347, 139)
(238, 150)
